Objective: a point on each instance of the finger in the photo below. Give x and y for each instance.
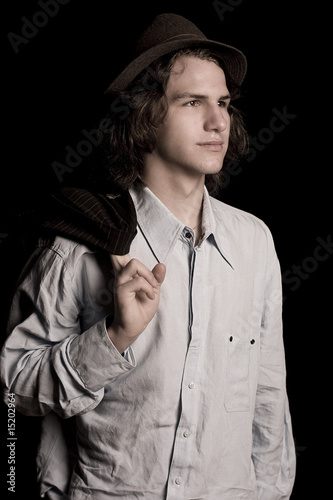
(119, 261)
(135, 268)
(159, 272)
(135, 285)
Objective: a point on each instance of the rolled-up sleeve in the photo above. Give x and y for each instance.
(47, 360)
(273, 444)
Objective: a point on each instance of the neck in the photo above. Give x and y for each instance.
(180, 194)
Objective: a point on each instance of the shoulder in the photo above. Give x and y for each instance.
(60, 253)
(242, 229)
(236, 217)
(65, 248)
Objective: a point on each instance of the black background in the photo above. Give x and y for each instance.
(53, 89)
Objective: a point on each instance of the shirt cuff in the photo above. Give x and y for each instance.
(96, 359)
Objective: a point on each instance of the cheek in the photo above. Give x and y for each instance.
(227, 119)
(173, 136)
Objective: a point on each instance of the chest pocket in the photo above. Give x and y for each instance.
(237, 396)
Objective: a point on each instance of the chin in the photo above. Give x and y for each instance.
(213, 168)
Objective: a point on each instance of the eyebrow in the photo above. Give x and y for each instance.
(188, 95)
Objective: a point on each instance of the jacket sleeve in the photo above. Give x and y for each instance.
(47, 360)
(273, 451)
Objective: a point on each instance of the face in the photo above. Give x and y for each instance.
(193, 138)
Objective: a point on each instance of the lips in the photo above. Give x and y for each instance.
(211, 145)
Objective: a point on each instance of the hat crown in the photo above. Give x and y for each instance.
(166, 27)
(169, 33)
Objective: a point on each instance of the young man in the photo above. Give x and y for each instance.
(169, 362)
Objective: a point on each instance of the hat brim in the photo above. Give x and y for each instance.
(234, 61)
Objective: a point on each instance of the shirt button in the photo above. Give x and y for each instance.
(186, 433)
(191, 385)
(178, 480)
(188, 235)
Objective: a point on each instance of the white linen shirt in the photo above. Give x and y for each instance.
(197, 408)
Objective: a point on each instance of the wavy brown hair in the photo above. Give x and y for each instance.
(136, 114)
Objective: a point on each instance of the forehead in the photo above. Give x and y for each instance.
(189, 73)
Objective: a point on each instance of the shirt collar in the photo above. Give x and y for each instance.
(214, 228)
(161, 229)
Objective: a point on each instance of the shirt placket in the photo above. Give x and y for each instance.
(185, 460)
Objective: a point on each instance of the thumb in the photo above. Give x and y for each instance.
(159, 272)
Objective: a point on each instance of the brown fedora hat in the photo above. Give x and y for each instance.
(171, 32)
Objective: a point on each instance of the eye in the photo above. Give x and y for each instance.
(192, 104)
(222, 104)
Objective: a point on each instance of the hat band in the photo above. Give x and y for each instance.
(185, 36)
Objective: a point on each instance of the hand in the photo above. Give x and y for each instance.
(136, 297)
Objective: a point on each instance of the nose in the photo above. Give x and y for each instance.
(217, 118)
